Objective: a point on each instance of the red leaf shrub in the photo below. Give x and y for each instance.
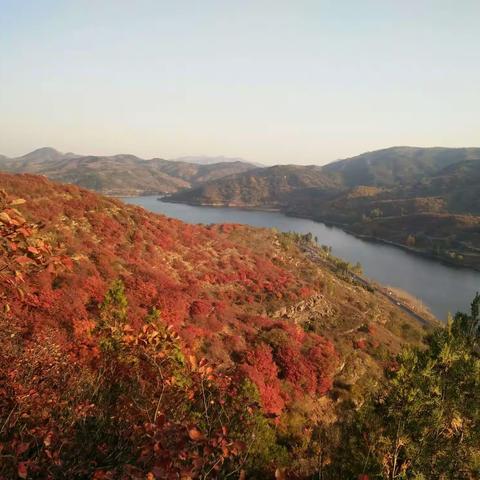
(263, 371)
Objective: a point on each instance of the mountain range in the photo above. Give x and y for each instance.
(388, 168)
(121, 175)
(209, 160)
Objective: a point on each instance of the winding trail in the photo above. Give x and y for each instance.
(313, 254)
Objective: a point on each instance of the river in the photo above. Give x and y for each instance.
(442, 288)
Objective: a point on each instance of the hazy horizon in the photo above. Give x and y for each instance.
(306, 82)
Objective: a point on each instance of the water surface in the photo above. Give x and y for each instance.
(441, 287)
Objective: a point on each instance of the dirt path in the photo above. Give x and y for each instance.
(317, 258)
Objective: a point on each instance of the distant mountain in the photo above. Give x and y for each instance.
(46, 154)
(120, 174)
(34, 161)
(196, 174)
(431, 208)
(207, 160)
(395, 165)
(274, 185)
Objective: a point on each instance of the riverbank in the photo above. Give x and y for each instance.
(251, 208)
(423, 317)
(465, 264)
(414, 251)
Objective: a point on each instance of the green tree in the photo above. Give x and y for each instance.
(113, 317)
(426, 423)
(308, 237)
(114, 308)
(357, 268)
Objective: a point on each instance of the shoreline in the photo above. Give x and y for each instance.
(420, 253)
(340, 226)
(250, 208)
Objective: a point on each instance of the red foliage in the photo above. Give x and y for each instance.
(206, 281)
(50, 409)
(201, 307)
(263, 371)
(308, 370)
(360, 344)
(372, 329)
(306, 362)
(295, 369)
(306, 292)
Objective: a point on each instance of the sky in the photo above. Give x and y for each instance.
(272, 81)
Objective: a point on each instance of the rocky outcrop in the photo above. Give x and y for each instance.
(303, 311)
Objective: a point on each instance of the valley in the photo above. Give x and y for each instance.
(424, 200)
(186, 348)
(239, 240)
(220, 344)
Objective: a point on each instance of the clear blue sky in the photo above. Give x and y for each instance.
(274, 81)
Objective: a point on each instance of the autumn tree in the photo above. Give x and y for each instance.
(144, 407)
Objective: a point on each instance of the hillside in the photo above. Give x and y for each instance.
(180, 349)
(391, 166)
(119, 175)
(264, 187)
(207, 160)
(424, 199)
(382, 168)
(437, 215)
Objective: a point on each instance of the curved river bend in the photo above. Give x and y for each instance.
(441, 287)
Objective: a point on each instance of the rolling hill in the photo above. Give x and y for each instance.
(383, 168)
(120, 175)
(391, 166)
(264, 187)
